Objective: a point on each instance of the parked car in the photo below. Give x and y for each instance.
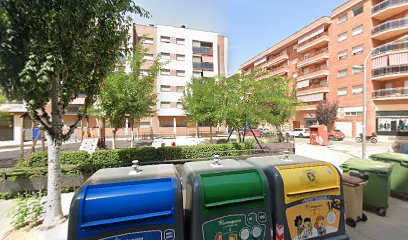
(257, 133)
(336, 135)
(299, 132)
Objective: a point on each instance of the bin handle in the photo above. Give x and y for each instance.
(126, 219)
(404, 163)
(232, 201)
(311, 191)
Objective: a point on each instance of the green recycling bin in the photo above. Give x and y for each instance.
(226, 200)
(399, 176)
(377, 191)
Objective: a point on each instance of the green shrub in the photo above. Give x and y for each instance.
(27, 211)
(78, 158)
(106, 157)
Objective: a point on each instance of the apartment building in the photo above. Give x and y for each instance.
(326, 59)
(190, 53)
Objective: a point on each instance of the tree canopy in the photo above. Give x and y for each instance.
(326, 113)
(51, 52)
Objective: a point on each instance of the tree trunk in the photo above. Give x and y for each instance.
(114, 139)
(280, 135)
(132, 133)
(238, 136)
(53, 207)
(211, 138)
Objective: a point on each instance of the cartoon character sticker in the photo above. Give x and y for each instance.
(233, 237)
(319, 225)
(299, 225)
(218, 236)
(307, 228)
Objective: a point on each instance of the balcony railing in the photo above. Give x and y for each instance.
(203, 50)
(324, 67)
(321, 51)
(313, 38)
(314, 86)
(392, 47)
(386, 4)
(393, 24)
(390, 70)
(203, 65)
(390, 92)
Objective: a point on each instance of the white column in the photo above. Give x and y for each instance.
(174, 126)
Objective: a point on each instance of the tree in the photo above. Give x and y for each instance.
(52, 51)
(203, 102)
(141, 87)
(275, 100)
(129, 96)
(326, 113)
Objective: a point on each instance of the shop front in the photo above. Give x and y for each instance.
(392, 123)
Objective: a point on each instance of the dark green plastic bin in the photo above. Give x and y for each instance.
(377, 191)
(399, 176)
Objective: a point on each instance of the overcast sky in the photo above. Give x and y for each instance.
(250, 25)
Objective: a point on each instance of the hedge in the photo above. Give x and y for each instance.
(78, 158)
(143, 154)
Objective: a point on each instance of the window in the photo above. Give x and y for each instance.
(180, 73)
(164, 88)
(295, 47)
(357, 89)
(306, 56)
(146, 40)
(196, 59)
(166, 123)
(148, 57)
(342, 92)
(358, 10)
(342, 18)
(342, 37)
(357, 30)
(165, 39)
(144, 124)
(357, 50)
(165, 72)
(143, 72)
(342, 73)
(165, 56)
(352, 114)
(180, 41)
(180, 57)
(295, 61)
(358, 70)
(180, 89)
(179, 105)
(295, 75)
(342, 55)
(197, 74)
(165, 104)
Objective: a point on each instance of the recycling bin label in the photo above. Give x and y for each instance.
(168, 234)
(236, 227)
(313, 219)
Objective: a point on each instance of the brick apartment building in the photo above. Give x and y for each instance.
(324, 56)
(190, 53)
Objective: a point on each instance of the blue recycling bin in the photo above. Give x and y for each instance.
(124, 203)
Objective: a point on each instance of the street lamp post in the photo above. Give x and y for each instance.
(364, 127)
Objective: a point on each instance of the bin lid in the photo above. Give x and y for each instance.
(397, 157)
(232, 187)
(123, 202)
(209, 166)
(268, 161)
(309, 180)
(354, 181)
(367, 165)
(122, 174)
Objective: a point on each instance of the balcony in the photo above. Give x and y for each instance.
(314, 88)
(278, 71)
(389, 8)
(389, 29)
(389, 72)
(391, 47)
(316, 57)
(315, 42)
(206, 66)
(314, 73)
(203, 50)
(390, 94)
(274, 60)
